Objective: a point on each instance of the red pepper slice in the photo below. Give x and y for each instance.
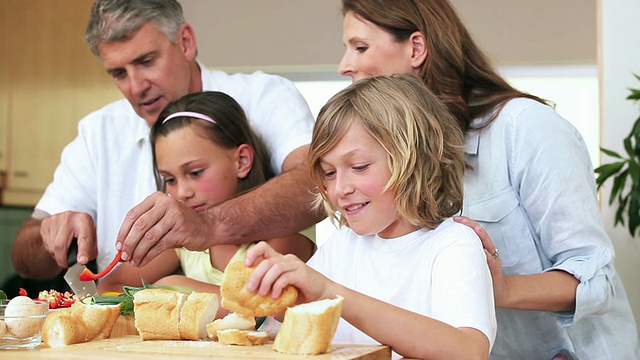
(87, 275)
(22, 292)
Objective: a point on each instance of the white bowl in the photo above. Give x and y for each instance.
(21, 323)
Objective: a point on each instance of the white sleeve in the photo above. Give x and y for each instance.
(459, 270)
(280, 115)
(71, 188)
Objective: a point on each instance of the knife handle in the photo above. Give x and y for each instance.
(72, 254)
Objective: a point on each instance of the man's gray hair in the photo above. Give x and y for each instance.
(113, 20)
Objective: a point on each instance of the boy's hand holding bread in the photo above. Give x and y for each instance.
(307, 329)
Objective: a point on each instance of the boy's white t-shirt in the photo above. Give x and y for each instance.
(440, 273)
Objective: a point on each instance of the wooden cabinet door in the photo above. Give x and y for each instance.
(54, 80)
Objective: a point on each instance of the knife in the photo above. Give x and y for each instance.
(81, 288)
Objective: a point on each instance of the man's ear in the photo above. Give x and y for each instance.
(244, 159)
(187, 41)
(418, 49)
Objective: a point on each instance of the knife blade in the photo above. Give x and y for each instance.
(81, 288)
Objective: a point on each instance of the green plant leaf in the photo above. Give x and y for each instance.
(608, 170)
(634, 212)
(628, 146)
(633, 171)
(635, 94)
(611, 153)
(618, 184)
(622, 204)
(635, 130)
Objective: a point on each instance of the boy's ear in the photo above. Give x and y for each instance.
(244, 158)
(419, 49)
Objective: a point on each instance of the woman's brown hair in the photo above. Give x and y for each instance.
(456, 70)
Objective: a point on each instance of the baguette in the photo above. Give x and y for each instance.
(162, 314)
(99, 319)
(61, 328)
(231, 321)
(236, 297)
(242, 337)
(308, 329)
(79, 323)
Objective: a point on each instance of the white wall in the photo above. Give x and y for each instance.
(619, 57)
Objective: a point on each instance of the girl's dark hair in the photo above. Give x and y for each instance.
(456, 70)
(231, 129)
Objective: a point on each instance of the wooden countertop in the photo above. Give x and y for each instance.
(131, 347)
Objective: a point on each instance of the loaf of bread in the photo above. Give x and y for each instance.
(171, 315)
(231, 321)
(79, 323)
(242, 337)
(308, 329)
(236, 297)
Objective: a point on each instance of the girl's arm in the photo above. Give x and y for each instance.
(124, 274)
(296, 244)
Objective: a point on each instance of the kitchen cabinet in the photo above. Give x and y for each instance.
(50, 80)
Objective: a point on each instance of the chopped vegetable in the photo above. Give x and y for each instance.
(57, 299)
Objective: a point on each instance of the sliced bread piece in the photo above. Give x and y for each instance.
(198, 310)
(231, 321)
(157, 313)
(242, 337)
(62, 328)
(308, 329)
(99, 319)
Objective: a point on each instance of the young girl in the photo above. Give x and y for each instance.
(387, 159)
(204, 153)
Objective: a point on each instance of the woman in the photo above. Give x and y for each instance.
(529, 183)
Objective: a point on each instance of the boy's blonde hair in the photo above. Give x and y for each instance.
(423, 140)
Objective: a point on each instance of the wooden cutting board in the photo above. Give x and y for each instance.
(131, 347)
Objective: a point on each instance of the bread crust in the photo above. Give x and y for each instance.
(157, 313)
(79, 323)
(61, 328)
(308, 329)
(231, 321)
(99, 319)
(242, 337)
(236, 297)
(198, 310)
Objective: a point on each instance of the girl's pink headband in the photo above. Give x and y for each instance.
(189, 114)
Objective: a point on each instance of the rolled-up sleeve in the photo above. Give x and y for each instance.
(553, 172)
